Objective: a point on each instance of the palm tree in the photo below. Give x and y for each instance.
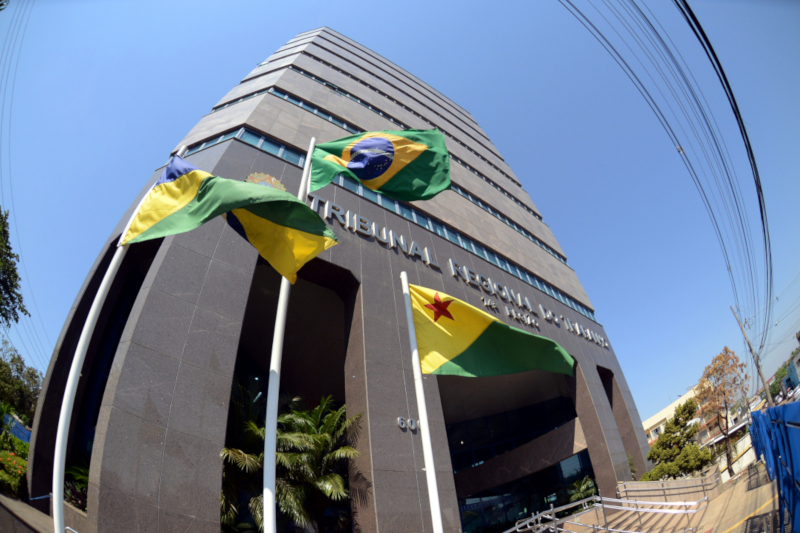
(313, 449)
(582, 489)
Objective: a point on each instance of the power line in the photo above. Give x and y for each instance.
(662, 76)
(8, 73)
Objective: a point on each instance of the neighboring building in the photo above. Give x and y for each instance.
(793, 369)
(190, 315)
(655, 425)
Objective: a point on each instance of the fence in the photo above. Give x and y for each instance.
(549, 521)
(776, 437)
(674, 490)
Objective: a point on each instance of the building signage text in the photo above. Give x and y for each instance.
(514, 304)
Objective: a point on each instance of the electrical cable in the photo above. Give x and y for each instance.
(662, 76)
(8, 72)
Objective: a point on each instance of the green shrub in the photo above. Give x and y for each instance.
(10, 443)
(12, 474)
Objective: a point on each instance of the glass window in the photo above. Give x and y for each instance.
(271, 147)
(570, 468)
(352, 129)
(480, 250)
(422, 220)
(502, 447)
(458, 438)
(211, 142)
(292, 156)
(229, 135)
(250, 138)
(350, 184)
(481, 455)
(308, 107)
(518, 423)
(462, 461)
(453, 236)
(405, 211)
(369, 194)
(338, 122)
(277, 92)
(293, 100)
(471, 515)
(479, 433)
(499, 428)
(438, 228)
(467, 244)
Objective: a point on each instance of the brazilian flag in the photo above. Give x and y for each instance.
(284, 230)
(455, 338)
(405, 165)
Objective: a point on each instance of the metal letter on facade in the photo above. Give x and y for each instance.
(414, 250)
(363, 225)
(315, 201)
(336, 211)
(397, 241)
(429, 260)
(380, 236)
(500, 290)
(472, 277)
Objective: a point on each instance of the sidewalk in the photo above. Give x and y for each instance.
(749, 501)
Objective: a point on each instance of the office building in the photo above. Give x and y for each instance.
(191, 315)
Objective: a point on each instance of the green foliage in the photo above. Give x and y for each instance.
(775, 388)
(12, 474)
(9, 442)
(314, 448)
(674, 453)
(19, 383)
(11, 304)
(76, 484)
(582, 489)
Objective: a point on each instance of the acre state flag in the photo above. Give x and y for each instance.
(455, 338)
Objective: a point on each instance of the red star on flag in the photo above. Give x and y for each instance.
(439, 308)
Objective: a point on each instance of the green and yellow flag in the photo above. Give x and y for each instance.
(405, 165)
(458, 339)
(284, 230)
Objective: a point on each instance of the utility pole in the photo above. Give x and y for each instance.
(755, 359)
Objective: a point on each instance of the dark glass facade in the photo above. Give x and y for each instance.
(472, 442)
(498, 509)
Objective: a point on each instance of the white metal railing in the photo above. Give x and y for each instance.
(548, 522)
(672, 486)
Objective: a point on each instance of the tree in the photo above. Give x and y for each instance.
(582, 489)
(775, 388)
(723, 382)
(11, 304)
(313, 447)
(19, 383)
(674, 453)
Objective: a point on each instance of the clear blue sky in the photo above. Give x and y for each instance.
(105, 90)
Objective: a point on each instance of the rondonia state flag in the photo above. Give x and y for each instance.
(458, 339)
(284, 230)
(405, 165)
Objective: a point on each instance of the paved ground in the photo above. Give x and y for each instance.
(749, 505)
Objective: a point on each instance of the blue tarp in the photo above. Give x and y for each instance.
(776, 436)
(18, 430)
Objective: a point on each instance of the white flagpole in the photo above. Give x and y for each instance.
(68, 402)
(424, 429)
(273, 387)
